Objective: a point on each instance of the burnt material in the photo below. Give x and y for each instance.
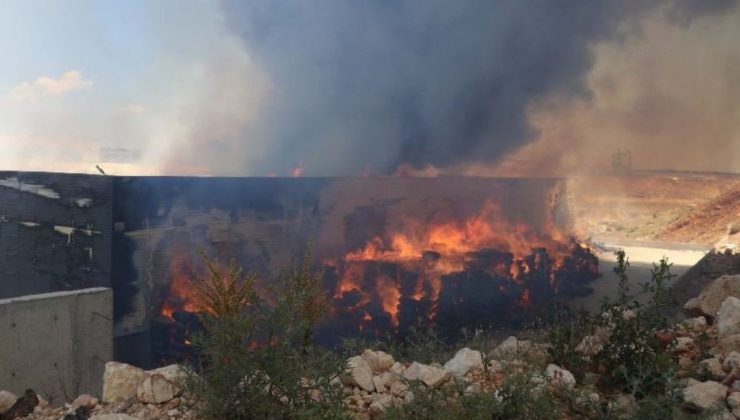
(172, 338)
(493, 289)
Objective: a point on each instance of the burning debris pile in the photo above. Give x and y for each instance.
(455, 273)
(480, 268)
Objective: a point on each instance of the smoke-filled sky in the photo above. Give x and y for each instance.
(341, 87)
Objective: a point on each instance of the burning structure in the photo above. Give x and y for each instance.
(458, 252)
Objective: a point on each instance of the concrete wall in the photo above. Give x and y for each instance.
(56, 343)
(55, 232)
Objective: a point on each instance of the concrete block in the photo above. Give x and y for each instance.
(56, 343)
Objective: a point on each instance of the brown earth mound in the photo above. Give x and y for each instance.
(708, 222)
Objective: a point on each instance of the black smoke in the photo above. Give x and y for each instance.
(441, 82)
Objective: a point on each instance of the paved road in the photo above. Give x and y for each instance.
(641, 259)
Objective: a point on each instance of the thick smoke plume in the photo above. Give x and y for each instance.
(377, 84)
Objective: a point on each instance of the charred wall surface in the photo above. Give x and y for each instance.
(161, 223)
(142, 236)
(55, 232)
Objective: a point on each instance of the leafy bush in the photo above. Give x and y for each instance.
(631, 359)
(257, 357)
(225, 293)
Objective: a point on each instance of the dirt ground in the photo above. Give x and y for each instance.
(648, 206)
(680, 216)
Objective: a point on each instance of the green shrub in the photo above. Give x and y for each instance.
(632, 360)
(258, 361)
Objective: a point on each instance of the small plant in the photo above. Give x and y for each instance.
(566, 333)
(225, 293)
(633, 358)
(658, 287)
(626, 350)
(258, 360)
(302, 301)
(623, 288)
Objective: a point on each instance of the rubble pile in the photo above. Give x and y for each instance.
(706, 346)
(129, 393)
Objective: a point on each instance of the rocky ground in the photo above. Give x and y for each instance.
(706, 346)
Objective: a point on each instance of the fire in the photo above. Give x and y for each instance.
(525, 297)
(488, 229)
(297, 171)
(180, 296)
(484, 264)
(435, 250)
(390, 297)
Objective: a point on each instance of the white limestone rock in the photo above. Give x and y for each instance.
(398, 369)
(705, 395)
(733, 401)
(120, 381)
(380, 404)
(7, 399)
(472, 389)
(710, 299)
(512, 348)
(155, 389)
(378, 361)
(731, 361)
(359, 374)
(698, 324)
(728, 317)
(465, 360)
(494, 366)
(84, 400)
(379, 384)
(726, 345)
(714, 367)
(683, 345)
(399, 389)
(388, 378)
(177, 374)
(559, 376)
(429, 375)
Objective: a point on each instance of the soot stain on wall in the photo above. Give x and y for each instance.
(55, 232)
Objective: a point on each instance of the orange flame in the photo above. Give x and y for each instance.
(180, 294)
(451, 241)
(297, 171)
(390, 297)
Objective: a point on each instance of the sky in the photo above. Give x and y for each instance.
(341, 87)
(118, 84)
